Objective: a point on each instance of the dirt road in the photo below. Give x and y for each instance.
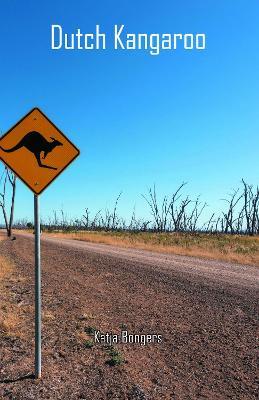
(205, 311)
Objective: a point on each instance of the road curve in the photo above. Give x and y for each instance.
(220, 272)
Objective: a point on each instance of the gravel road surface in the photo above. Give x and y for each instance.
(205, 311)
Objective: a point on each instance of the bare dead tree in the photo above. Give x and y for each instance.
(133, 220)
(161, 214)
(86, 218)
(209, 225)
(114, 214)
(8, 177)
(143, 225)
(176, 214)
(217, 223)
(195, 215)
(251, 205)
(179, 215)
(240, 221)
(170, 214)
(229, 215)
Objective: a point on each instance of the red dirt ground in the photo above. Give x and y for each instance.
(208, 329)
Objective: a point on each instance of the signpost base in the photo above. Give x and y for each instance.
(37, 289)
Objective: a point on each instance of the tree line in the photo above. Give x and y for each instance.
(175, 213)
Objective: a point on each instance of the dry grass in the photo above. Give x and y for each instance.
(10, 312)
(6, 269)
(48, 316)
(233, 248)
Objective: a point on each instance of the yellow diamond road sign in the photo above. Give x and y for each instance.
(36, 150)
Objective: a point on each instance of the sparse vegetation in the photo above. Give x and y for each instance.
(175, 213)
(115, 355)
(88, 344)
(90, 330)
(175, 226)
(10, 312)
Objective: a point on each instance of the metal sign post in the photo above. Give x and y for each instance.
(24, 149)
(37, 289)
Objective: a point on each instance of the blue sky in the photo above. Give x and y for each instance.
(137, 119)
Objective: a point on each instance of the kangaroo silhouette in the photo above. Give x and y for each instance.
(36, 143)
